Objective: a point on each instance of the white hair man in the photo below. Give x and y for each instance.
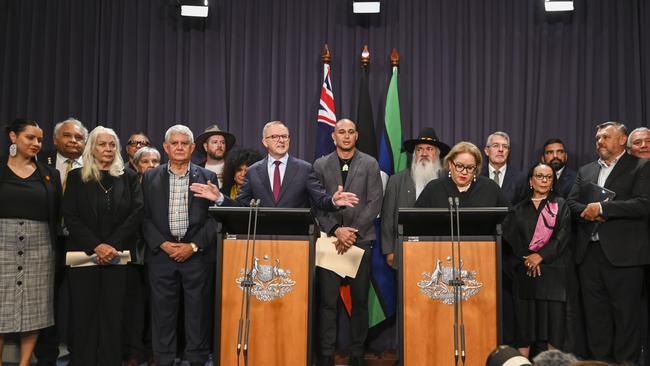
(405, 187)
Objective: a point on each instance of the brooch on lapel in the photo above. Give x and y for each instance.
(47, 178)
(49, 160)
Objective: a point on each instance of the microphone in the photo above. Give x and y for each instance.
(246, 282)
(453, 277)
(460, 284)
(256, 210)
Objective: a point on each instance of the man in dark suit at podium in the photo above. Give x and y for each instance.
(181, 239)
(359, 174)
(554, 154)
(611, 254)
(280, 180)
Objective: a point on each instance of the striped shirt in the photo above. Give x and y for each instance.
(179, 217)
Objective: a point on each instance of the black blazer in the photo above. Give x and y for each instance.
(52, 183)
(202, 229)
(513, 186)
(565, 182)
(624, 234)
(81, 218)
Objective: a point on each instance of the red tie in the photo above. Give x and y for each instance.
(276, 180)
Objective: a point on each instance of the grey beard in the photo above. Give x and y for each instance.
(424, 172)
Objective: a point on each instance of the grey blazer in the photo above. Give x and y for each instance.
(363, 180)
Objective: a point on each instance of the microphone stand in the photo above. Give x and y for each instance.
(460, 283)
(453, 280)
(256, 206)
(246, 283)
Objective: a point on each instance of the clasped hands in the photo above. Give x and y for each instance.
(532, 263)
(105, 253)
(179, 252)
(345, 238)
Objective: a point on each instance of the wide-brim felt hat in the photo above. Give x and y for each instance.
(211, 131)
(427, 136)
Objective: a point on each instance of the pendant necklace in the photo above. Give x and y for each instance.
(346, 164)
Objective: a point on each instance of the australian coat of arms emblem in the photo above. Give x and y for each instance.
(268, 282)
(436, 284)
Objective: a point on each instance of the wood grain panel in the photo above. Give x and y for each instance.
(428, 324)
(279, 328)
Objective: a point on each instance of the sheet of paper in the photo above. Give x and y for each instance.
(346, 264)
(81, 259)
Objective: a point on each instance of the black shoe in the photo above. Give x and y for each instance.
(325, 361)
(357, 361)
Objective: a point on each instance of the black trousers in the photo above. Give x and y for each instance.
(47, 345)
(137, 327)
(328, 287)
(97, 297)
(613, 302)
(192, 280)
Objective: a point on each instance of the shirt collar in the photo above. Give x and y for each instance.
(283, 160)
(602, 164)
(63, 159)
(502, 170)
(187, 171)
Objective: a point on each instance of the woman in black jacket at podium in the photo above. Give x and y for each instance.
(538, 230)
(464, 165)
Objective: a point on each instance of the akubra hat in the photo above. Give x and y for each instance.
(211, 131)
(427, 136)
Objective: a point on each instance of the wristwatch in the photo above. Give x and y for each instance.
(195, 248)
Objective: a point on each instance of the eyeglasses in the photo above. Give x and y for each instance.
(137, 143)
(460, 167)
(543, 177)
(502, 146)
(277, 137)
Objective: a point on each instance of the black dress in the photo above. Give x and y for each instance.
(540, 302)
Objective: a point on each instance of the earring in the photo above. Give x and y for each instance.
(531, 187)
(13, 150)
(474, 179)
(449, 174)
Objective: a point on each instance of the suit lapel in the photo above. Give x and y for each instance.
(334, 166)
(118, 191)
(164, 178)
(621, 167)
(289, 174)
(263, 176)
(194, 175)
(354, 167)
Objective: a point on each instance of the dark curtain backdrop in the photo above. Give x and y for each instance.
(468, 68)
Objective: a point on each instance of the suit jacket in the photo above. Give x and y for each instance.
(48, 157)
(300, 187)
(513, 186)
(565, 182)
(202, 229)
(52, 184)
(363, 180)
(81, 216)
(624, 234)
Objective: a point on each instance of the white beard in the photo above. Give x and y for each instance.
(423, 172)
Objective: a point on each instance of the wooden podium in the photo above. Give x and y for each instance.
(426, 314)
(280, 301)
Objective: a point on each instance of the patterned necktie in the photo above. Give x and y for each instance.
(69, 163)
(496, 177)
(276, 180)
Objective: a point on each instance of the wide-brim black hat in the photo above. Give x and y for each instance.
(427, 136)
(211, 131)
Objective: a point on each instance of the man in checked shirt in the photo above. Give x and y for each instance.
(181, 239)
